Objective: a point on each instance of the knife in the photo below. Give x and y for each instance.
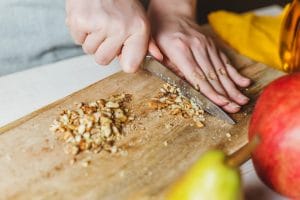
(158, 69)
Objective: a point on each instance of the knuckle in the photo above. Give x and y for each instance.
(142, 25)
(196, 41)
(180, 44)
(202, 37)
(222, 71)
(180, 35)
(198, 75)
(212, 76)
(74, 21)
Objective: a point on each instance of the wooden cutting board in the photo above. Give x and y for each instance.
(34, 166)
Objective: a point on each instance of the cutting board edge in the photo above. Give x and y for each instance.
(27, 117)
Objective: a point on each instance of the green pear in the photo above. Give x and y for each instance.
(210, 178)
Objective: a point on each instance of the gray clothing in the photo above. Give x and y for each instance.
(32, 33)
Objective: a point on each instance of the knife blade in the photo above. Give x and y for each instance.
(158, 69)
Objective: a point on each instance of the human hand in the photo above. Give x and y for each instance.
(110, 28)
(196, 57)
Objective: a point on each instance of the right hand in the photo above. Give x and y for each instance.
(110, 28)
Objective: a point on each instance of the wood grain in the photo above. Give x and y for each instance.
(34, 166)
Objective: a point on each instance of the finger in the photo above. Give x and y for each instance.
(200, 53)
(232, 107)
(183, 58)
(240, 80)
(108, 50)
(173, 68)
(78, 37)
(154, 50)
(227, 83)
(133, 52)
(93, 41)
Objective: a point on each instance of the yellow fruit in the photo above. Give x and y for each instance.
(210, 178)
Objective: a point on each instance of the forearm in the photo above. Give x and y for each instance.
(169, 7)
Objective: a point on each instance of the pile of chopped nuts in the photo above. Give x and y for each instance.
(170, 98)
(93, 126)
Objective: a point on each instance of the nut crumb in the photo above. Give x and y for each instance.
(149, 173)
(166, 143)
(199, 124)
(123, 153)
(72, 161)
(113, 149)
(169, 126)
(122, 174)
(85, 163)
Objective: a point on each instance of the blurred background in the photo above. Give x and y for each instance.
(29, 36)
(205, 7)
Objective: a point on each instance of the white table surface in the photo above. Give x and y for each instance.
(24, 92)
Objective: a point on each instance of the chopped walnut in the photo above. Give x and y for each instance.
(93, 126)
(170, 98)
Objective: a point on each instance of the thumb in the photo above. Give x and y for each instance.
(133, 52)
(154, 50)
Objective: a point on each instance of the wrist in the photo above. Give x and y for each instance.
(186, 8)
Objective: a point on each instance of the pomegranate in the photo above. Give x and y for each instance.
(276, 121)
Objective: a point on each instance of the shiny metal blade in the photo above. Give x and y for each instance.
(156, 68)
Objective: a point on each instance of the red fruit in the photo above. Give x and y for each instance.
(276, 120)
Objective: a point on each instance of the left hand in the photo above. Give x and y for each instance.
(197, 58)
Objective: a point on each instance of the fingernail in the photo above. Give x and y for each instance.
(245, 79)
(234, 105)
(243, 98)
(224, 100)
